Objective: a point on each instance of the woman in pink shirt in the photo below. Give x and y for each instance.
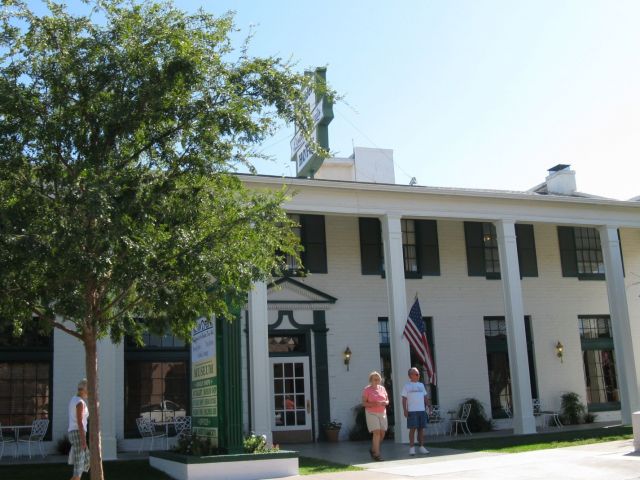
(375, 401)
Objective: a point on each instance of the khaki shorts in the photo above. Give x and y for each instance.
(376, 421)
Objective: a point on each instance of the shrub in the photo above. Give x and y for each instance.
(198, 446)
(258, 444)
(589, 417)
(359, 431)
(572, 410)
(477, 421)
(63, 446)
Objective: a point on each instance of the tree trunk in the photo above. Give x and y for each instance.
(91, 359)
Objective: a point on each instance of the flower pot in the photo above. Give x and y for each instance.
(332, 435)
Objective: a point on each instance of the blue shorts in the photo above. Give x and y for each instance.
(417, 419)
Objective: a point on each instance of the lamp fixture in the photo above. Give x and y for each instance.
(559, 350)
(347, 357)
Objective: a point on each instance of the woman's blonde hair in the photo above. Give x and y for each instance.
(375, 374)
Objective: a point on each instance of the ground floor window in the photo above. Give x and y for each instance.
(599, 362)
(25, 375)
(385, 361)
(156, 381)
(25, 389)
(495, 334)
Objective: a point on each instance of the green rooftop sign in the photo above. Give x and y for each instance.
(307, 162)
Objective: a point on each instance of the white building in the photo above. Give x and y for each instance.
(479, 261)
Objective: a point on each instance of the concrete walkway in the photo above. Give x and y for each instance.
(601, 461)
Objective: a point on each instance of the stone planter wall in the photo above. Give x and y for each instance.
(226, 467)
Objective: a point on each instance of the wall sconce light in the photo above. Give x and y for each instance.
(559, 350)
(347, 357)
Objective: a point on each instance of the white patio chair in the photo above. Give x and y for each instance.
(147, 430)
(462, 421)
(182, 426)
(38, 431)
(6, 441)
(507, 410)
(436, 420)
(546, 416)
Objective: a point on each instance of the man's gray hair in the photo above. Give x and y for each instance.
(82, 384)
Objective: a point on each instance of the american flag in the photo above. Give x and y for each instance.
(414, 332)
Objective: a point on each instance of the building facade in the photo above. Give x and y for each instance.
(504, 280)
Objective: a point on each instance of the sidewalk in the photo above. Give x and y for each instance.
(610, 461)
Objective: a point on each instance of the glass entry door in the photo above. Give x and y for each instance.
(291, 402)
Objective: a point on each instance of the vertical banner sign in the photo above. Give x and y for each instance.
(204, 380)
(307, 162)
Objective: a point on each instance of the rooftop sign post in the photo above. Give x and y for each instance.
(308, 162)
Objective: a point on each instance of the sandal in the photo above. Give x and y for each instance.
(377, 458)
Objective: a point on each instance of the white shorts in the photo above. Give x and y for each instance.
(376, 421)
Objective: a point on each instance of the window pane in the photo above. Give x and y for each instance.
(24, 396)
(155, 390)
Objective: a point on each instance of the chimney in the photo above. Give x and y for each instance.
(561, 180)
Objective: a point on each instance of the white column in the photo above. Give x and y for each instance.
(259, 377)
(108, 379)
(400, 356)
(523, 419)
(620, 323)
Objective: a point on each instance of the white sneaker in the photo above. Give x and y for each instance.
(412, 451)
(421, 449)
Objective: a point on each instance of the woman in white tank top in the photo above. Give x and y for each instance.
(78, 415)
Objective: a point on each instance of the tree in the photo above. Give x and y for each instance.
(119, 140)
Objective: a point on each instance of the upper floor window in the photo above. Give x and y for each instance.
(419, 247)
(310, 229)
(482, 250)
(409, 247)
(581, 253)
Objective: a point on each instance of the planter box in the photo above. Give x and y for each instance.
(246, 466)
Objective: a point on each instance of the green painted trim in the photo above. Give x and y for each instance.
(242, 457)
(230, 378)
(604, 407)
(322, 368)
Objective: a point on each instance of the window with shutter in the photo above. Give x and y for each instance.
(371, 256)
(482, 250)
(581, 253)
(527, 258)
(310, 229)
(419, 247)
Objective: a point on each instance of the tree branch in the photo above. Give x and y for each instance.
(55, 324)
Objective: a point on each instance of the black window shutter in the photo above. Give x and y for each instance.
(526, 250)
(314, 256)
(475, 249)
(370, 246)
(568, 260)
(428, 255)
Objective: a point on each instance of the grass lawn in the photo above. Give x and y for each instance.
(311, 466)
(137, 469)
(541, 441)
(132, 469)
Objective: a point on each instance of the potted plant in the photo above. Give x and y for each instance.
(332, 430)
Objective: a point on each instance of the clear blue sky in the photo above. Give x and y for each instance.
(468, 93)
